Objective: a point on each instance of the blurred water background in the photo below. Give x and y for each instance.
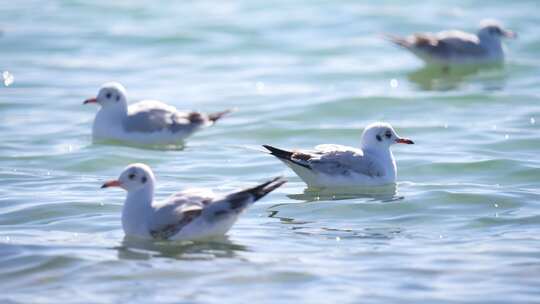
(462, 227)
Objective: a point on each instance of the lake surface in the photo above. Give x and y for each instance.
(462, 227)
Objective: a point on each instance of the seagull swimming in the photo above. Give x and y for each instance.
(457, 47)
(191, 214)
(145, 122)
(341, 166)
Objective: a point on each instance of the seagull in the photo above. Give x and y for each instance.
(145, 122)
(456, 47)
(191, 214)
(332, 165)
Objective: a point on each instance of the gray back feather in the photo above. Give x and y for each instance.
(153, 120)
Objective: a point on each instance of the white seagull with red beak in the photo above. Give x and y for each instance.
(145, 122)
(187, 215)
(341, 166)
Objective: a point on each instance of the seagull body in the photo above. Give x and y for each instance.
(457, 47)
(145, 122)
(187, 215)
(341, 166)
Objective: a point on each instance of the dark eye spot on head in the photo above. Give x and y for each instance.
(143, 179)
(108, 95)
(131, 176)
(495, 30)
(379, 138)
(117, 98)
(388, 134)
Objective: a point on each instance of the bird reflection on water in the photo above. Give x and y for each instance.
(158, 147)
(385, 193)
(437, 78)
(381, 194)
(142, 249)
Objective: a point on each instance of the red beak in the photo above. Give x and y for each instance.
(404, 141)
(509, 34)
(111, 183)
(90, 100)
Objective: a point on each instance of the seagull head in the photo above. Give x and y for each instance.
(493, 29)
(134, 177)
(381, 135)
(111, 95)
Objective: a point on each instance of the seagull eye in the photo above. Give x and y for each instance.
(495, 30)
(143, 179)
(388, 134)
(131, 176)
(108, 95)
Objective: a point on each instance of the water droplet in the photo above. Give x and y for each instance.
(440, 236)
(338, 238)
(506, 136)
(445, 126)
(532, 120)
(8, 78)
(494, 127)
(8, 239)
(259, 86)
(70, 148)
(496, 205)
(394, 83)
(101, 204)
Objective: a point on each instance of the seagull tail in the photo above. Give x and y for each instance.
(285, 155)
(263, 189)
(236, 202)
(279, 153)
(401, 41)
(213, 117)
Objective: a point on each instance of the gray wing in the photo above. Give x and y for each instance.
(339, 160)
(181, 209)
(459, 43)
(346, 162)
(165, 232)
(178, 211)
(443, 45)
(450, 44)
(153, 116)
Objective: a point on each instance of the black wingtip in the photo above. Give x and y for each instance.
(396, 39)
(213, 117)
(263, 189)
(285, 155)
(279, 152)
(238, 201)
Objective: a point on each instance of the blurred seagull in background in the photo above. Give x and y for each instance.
(456, 47)
(187, 215)
(341, 166)
(145, 122)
